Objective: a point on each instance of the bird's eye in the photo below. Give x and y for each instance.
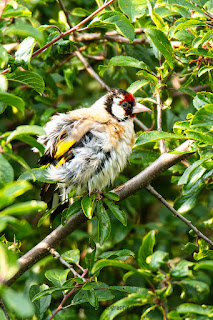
(126, 105)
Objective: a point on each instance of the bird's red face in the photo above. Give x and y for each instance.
(127, 104)
(122, 105)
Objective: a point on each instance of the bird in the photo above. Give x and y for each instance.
(86, 149)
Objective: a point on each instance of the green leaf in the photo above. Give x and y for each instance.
(12, 100)
(90, 257)
(35, 175)
(32, 142)
(104, 225)
(200, 52)
(126, 61)
(3, 57)
(132, 8)
(18, 303)
(119, 214)
(28, 78)
(2, 315)
(13, 190)
(73, 209)
(25, 130)
(162, 44)
(188, 172)
(189, 308)
(152, 136)
(14, 11)
(199, 286)
(42, 304)
(119, 253)
(72, 256)
(25, 50)
(158, 258)
(111, 196)
(122, 25)
(24, 208)
(50, 291)
(102, 293)
(6, 171)
(135, 86)
(146, 250)
(57, 276)
(87, 204)
(127, 289)
(203, 250)
(8, 259)
(182, 270)
(25, 30)
(143, 73)
(205, 265)
(203, 70)
(203, 117)
(185, 203)
(133, 300)
(186, 4)
(194, 134)
(92, 298)
(187, 24)
(112, 263)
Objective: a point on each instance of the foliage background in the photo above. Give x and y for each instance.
(153, 267)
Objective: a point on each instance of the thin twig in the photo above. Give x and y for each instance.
(141, 125)
(4, 309)
(55, 253)
(159, 117)
(65, 12)
(178, 215)
(207, 13)
(60, 307)
(91, 71)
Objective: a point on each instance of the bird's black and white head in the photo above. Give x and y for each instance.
(122, 104)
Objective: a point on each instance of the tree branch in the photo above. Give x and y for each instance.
(178, 215)
(91, 71)
(140, 181)
(145, 177)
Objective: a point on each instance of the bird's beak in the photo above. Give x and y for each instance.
(138, 107)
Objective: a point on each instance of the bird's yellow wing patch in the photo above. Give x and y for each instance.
(63, 147)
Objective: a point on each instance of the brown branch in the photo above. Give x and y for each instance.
(2, 306)
(140, 181)
(55, 254)
(145, 177)
(140, 124)
(178, 215)
(91, 71)
(61, 305)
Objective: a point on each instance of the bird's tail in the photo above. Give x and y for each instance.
(51, 195)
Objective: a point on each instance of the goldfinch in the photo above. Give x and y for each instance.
(87, 148)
